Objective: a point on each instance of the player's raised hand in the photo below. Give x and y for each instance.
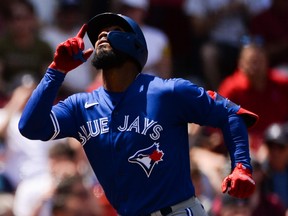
(70, 54)
(239, 183)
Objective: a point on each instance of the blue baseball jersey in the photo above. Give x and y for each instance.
(135, 141)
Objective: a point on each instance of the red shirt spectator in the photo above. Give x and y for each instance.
(254, 86)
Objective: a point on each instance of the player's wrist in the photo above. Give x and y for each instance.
(55, 67)
(243, 169)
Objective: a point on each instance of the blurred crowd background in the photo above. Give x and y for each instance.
(238, 48)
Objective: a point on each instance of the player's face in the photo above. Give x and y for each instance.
(105, 56)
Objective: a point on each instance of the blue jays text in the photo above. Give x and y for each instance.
(100, 126)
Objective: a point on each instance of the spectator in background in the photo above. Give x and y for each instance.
(276, 164)
(23, 158)
(272, 25)
(33, 195)
(68, 19)
(253, 86)
(21, 50)
(217, 27)
(73, 197)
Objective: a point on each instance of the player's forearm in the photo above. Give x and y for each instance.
(236, 139)
(35, 122)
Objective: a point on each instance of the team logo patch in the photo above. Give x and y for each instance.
(147, 158)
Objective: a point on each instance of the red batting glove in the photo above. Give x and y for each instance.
(70, 54)
(239, 183)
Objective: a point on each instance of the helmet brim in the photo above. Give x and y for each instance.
(104, 20)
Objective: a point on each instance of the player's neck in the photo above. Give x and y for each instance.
(119, 79)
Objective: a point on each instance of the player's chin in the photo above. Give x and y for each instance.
(103, 52)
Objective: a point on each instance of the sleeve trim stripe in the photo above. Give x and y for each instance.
(55, 124)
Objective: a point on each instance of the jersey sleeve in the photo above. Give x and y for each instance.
(204, 108)
(38, 120)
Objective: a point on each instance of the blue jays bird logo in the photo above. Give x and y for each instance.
(147, 158)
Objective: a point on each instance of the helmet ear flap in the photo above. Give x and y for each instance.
(130, 44)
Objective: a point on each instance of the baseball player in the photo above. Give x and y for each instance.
(134, 128)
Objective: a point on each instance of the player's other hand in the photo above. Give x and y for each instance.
(239, 183)
(70, 54)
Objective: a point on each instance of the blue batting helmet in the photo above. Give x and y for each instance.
(131, 42)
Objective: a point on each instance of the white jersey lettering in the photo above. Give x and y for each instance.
(100, 126)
